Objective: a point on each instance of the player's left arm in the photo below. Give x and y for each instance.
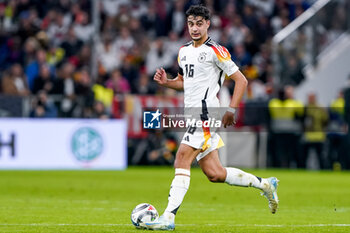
(222, 58)
(240, 87)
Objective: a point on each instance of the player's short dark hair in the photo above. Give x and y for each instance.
(198, 10)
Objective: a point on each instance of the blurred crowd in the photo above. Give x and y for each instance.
(46, 46)
(297, 130)
(46, 49)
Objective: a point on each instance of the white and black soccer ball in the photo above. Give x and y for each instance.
(143, 213)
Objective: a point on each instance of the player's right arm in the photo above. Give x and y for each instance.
(161, 78)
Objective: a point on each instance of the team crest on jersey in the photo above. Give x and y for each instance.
(202, 57)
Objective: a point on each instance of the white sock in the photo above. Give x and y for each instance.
(177, 192)
(240, 178)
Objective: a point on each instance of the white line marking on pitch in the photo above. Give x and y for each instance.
(116, 224)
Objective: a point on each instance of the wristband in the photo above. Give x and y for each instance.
(233, 110)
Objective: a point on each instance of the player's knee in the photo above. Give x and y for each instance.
(181, 160)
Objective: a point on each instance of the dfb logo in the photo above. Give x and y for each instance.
(151, 119)
(10, 144)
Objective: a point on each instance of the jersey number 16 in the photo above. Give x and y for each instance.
(189, 70)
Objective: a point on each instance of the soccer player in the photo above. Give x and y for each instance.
(203, 66)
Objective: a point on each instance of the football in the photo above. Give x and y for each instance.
(143, 213)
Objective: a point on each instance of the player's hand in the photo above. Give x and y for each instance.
(160, 77)
(228, 119)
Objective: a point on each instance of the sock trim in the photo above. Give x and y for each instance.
(181, 171)
(227, 174)
(174, 211)
(259, 178)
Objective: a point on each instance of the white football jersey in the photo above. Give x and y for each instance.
(203, 70)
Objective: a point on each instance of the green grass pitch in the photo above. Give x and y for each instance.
(101, 201)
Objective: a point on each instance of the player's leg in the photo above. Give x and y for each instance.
(212, 168)
(179, 186)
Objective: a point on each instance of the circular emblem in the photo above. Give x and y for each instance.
(87, 144)
(201, 58)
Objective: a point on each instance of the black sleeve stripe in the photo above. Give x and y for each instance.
(219, 81)
(204, 115)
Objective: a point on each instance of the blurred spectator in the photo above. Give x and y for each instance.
(84, 92)
(158, 56)
(215, 31)
(138, 8)
(336, 133)
(7, 15)
(28, 24)
(83, 83)
(108, 54)
(131, 73)
(161, 24)
(237, 31)
(262, 60)
(64, 5)
(251, 44)
(255, 89)
(123, 17)
(84, 57)
(173, 44)
(346, 159)
(264, 7)
(294, 7)
(44, 81)
(315, 122)
(136, 31)
(82, 28)
(285, 128)
(15, 52)
(14, 82)
(102, 94)
(240, 56)
(71, 44)
(55, 56)
(158, 149)
(99, 111)
(228, 12)
(280, 17)
(249, 18)
(125, 41)
(32, 70)
(58, 29)
(263, 29)
(111, 7)
(292, 74)
(42, 108)
(146, 86)
(337, 107)
(176, 16)
(118, 83)
(64, 85)
(148, 21)
(31, 45)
